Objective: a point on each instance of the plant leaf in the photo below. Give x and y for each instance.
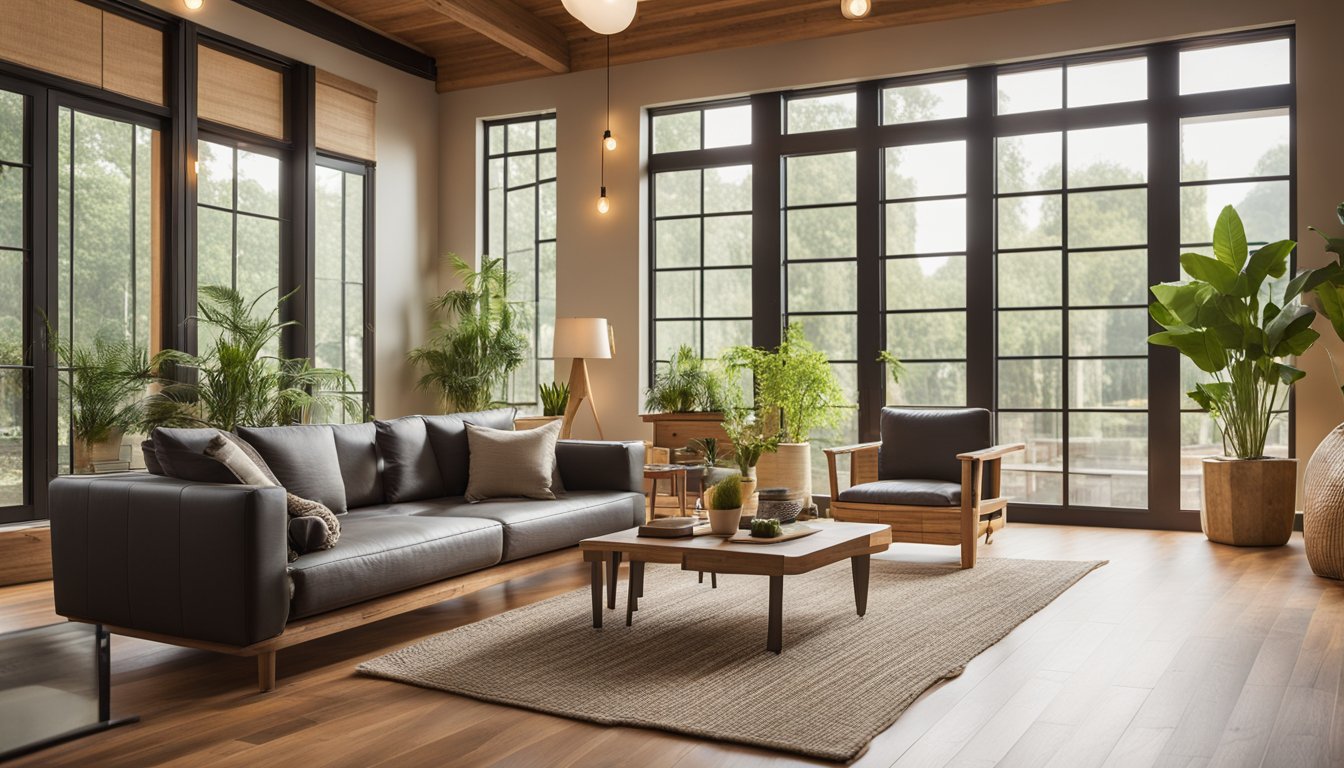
(1182, 300)
(1200, 345)
(1288, 323)
(1269, 261)
(1331, 298)
(1215, 272)
(1308, 279)
(1229, 239)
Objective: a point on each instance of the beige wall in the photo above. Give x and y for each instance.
(406, 196)
(601, 258)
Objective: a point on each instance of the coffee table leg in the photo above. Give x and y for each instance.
(597, 593)
(713, 580)
(633, 589)
(774, 641)
(613, 570)
(859, 565)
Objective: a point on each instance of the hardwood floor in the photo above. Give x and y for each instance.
(1178, 653)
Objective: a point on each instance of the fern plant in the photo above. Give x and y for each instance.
(687, 384)
(795, 381)
(474, 344)
(106, 386)
(554, 398)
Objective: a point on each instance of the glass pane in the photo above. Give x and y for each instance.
(722, 334)
(1263, 206)
(820, 179)
(671, 335)
(1108, 459)
(520, 228)
(496, 139)
(11, 430)
(677, 243)
(1234, 146)
(258, 259)
(1031, 332)
(1031, 279)
(522, 136)
(821, 233)
(11, 206)
(258, 184)
(1030, 384)
(728, 293)
(546, 165)
(354, 334)
(1101, 157)
(916, 103)
(926, 226)
(678, 294)
(329, 338)
(1035, 474)
(1030, 162)
(1030, 222)
(678, 132)
(678, 193)
(522, 170)
(728, 190)
(929, 384)
(11, 127)
(1246, 65)
(546, 133)
(1108, 277)
(1108, 384)
(1031, 91)
(1119, 217)
(1108, 82)
(821, 113)
(834, 335)
(823, 287)
(934, 282)
(727, 240)
(214, 247)
(11, 308)
(727, 126)
(927, 335)
(329, 210)
(925, 170)
(214, 174)
(546, 211)
(1108, 332)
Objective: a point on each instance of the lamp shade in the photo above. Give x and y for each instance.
(605, 17)
(582, 337)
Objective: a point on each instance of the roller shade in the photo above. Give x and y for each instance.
(345, 116)
(240, 93)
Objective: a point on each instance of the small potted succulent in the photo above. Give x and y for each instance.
(725, 506)
(554, 400)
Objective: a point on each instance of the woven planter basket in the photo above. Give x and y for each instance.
(1323, 517)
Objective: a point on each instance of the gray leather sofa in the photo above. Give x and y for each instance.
(204, 564)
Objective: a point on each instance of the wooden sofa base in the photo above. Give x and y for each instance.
(341, 619)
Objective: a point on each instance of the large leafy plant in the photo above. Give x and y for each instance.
(475, 342)
(240, 381)
(794, 381)
(1327, 283)
(686, 384)
(1226, 320)
(106, 384)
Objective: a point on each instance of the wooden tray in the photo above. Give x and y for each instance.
(796, 531)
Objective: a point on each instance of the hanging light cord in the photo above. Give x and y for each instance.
(608, 83)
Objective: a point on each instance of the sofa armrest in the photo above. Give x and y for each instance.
(199, 561)
(597, 465)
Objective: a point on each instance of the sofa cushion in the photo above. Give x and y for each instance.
(448, 436)
(532, 526)
(505, 463)
(409, 469)
(181, 454)
(382, 554)
(912, 493)
(357, 451)
(303, 458)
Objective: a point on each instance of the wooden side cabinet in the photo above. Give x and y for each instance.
(674, 431)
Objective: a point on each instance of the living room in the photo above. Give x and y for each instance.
(504, 382)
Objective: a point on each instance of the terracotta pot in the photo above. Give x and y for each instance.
(1249, 502)
(532, 422)
(724, 522)
(788, 467)
(87, 453)
(1323, 511)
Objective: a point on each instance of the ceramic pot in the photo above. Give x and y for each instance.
(1323, 511)
(790, 466)
(724, 522)
(1249, 502)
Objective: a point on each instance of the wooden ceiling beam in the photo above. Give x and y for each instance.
(511, 26)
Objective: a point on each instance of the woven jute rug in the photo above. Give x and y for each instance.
(694, 662)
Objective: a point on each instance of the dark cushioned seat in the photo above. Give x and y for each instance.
(910, 493)
(532, 527)
(380, 554)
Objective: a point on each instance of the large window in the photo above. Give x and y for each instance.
(520, 229)
(997, 230)
(340, 273)
(15, 368)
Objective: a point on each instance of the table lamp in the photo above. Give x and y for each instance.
(581, 338)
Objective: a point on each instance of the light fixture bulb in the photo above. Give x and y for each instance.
(605, 17)
(855, 9)
(609, 141)
(602, 205)
(193, 5)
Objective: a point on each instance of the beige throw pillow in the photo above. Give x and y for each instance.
(506, 463)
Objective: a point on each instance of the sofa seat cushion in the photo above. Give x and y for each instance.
(533, 526)
(380, 554)
(909, 493)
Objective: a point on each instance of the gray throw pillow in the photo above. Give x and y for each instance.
(511, 464)
(181, 454)
(304, 460)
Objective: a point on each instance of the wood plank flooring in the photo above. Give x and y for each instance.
(1178, 653)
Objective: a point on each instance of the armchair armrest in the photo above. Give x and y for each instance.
(198, 561)
(601, 465)
(974, 487)
(842, 450)
(993, 452)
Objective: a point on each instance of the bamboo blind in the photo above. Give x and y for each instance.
(132, 58)
(346, 116)
(240, 93)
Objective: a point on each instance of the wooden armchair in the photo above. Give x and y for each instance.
(927, 478)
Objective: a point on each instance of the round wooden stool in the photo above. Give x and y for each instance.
(675, 475)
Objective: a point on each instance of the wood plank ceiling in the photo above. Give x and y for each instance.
(487, 42)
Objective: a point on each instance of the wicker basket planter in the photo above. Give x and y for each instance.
(1249, 502)
(1323, 515)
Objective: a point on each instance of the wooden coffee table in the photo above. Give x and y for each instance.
(832, 543)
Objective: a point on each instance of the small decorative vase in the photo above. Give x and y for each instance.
(1323, 512)
(778, 504)
(724, 522)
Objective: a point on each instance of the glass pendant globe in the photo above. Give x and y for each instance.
(855, 9)
(605, 17)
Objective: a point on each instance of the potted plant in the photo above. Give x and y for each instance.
(796, 385)
(554, 400)
(1224, 320)
(1323, 487)
(685, 401)
(106, 385)
(725, 506)
(475, 342)
(753, 437)
(240, 381)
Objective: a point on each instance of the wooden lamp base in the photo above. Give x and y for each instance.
(578, 393)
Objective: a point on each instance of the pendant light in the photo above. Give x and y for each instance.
(605, 17)
(608, 141)
(855, 9)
